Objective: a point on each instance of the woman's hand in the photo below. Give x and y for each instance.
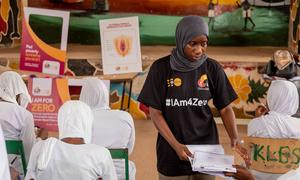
(241, 173)
(42, 133)
(260, 110)
(14, 174)
(243, 153)
(183, 152)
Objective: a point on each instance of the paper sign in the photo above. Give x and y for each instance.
(274, 155)
(120, 45)
(47, 96)
(36, 55)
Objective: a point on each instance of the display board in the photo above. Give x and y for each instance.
(48, 94)
(274, 155)
(120, 45)
(38, 56)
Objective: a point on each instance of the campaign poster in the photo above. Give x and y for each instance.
(48, 95)
(120, 45)
(35, 54)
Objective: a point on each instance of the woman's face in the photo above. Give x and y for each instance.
(196, 48)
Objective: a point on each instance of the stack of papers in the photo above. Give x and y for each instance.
(210, 159)
(218, 149)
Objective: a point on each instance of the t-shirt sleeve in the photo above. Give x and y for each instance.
(223, 92)
(153, 89)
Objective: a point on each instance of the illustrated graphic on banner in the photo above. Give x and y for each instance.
(120, 43)
(47, 96)
(10, 22)
(36, 55)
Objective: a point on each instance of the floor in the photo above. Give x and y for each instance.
(144, 154)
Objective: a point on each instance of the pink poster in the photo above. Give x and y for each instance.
(47, 96)
(36, 55)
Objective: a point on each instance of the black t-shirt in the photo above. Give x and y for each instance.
(183, 99)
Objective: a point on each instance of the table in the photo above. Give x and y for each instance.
(124, 78)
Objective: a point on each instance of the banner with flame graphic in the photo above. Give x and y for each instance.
(120, 44)
(38, 56)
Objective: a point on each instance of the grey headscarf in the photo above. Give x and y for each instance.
(188, 28)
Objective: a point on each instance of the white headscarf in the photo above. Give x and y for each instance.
(283, 98)
(75, 120)
(95, 94)
(283, 102)
(11, 84)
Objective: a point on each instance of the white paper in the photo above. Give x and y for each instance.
(218, 149)
(210, 159)
(205, 161)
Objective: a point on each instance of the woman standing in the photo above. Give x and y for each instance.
(177, 91)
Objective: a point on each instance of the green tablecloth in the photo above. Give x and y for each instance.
(271, 28)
